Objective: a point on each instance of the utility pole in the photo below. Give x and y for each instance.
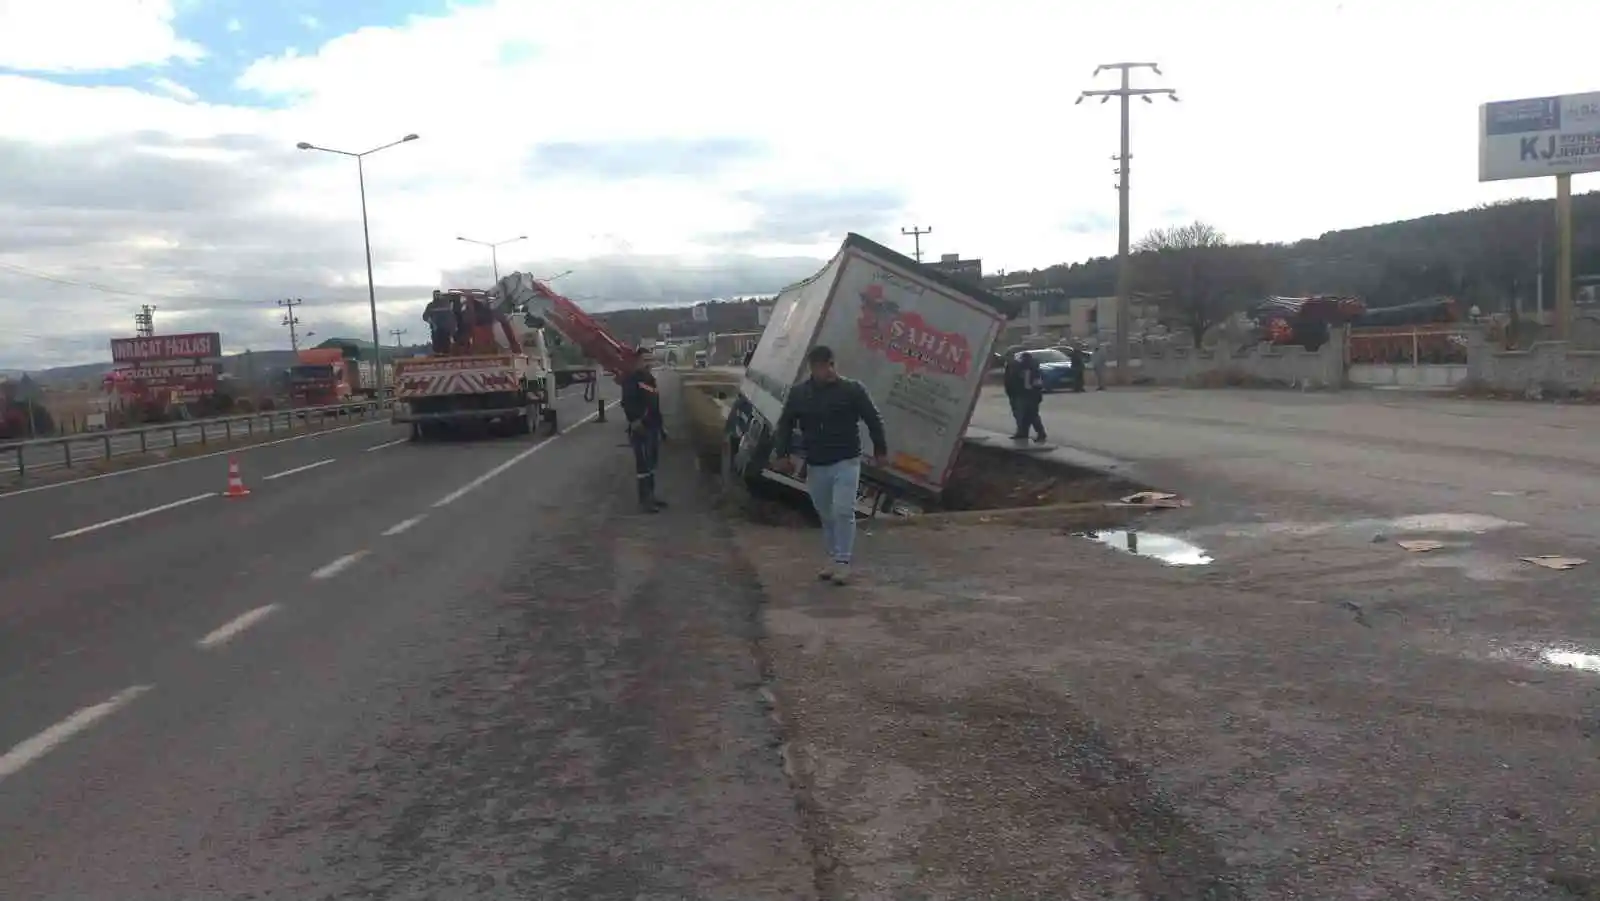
(1126, 92)
(144, 322)
(292, 321)
(916, 236)
(396, 333)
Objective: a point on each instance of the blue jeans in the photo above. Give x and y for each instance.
(833, 492)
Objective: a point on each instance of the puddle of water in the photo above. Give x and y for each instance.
(1473, 523)
(1574, 659)
(1566, 657)
(1426, 523)
(1166, 548)
(1478, 567)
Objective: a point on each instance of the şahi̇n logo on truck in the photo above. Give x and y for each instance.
(906, 338)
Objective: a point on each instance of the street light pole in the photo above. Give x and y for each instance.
(494, 250)
(366, 240)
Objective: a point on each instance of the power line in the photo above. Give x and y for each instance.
(916, 236)
(1125, 93)
(292, 321)
(396, 333)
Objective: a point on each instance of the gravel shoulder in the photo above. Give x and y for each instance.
(1013, 713)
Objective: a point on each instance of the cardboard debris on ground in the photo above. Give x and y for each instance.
(1420, 545)
(1159, 499)
(1554, 561)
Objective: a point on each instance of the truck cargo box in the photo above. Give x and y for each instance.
(917, 339)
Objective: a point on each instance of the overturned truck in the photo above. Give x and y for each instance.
(917, 339)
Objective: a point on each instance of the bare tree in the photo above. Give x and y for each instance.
(1198, 276)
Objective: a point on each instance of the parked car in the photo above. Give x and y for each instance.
(1055, 368)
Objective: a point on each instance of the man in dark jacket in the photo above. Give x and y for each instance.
(830, 410)
(641, 404)
(1013, 380)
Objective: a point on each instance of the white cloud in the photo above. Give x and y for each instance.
(174, 90)
(754, 127)
(234, 26)
(89, 35)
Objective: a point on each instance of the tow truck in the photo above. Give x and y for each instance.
(541, 307)
(472, 376)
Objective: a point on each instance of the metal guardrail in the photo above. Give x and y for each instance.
(19, 459)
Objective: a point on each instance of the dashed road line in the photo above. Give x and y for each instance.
(379, 447)
(231, 629)
(12, 761)
(290, 472)
(461, 492)
(132, 516)
(338, 566)
(402, 525)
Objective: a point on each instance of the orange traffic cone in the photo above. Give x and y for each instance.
(235, 481)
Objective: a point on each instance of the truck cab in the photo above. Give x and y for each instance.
(320, 378)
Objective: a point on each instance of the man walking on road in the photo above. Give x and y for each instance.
(1013, 379)
(641, 404)
(1031, 399)
(830, 410)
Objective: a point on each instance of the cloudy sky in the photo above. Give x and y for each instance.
(147, 147)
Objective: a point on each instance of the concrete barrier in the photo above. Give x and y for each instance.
(1545, 368)
(1169, 364)
(1405, 375)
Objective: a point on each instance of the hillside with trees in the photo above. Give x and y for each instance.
(1486, 256)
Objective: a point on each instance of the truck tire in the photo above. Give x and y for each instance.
(755, 448)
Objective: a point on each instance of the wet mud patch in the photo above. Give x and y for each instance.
(987, 477)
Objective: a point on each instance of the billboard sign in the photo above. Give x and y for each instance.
(196, 346)
(701, 313)
(1539, 136)
(664, 330)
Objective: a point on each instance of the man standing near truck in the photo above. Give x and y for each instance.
(829, 410)
(641, 404)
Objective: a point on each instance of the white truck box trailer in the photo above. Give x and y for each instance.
(918, 340)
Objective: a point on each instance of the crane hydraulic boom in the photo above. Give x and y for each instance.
(521, 292)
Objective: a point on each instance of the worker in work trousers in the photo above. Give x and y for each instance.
(641, 404)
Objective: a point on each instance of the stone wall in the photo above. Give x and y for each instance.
(1175, 364)
(1545, 368)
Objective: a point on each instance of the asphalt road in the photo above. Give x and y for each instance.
(54, 455)
(461, 669)
(1351, 452)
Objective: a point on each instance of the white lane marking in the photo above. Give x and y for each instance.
(337, 566)
(461, 492)
(402, 525)
(36, 747)
(132, 516)
(226, 632)
(378, 447)
(221, 453)
(290, 472)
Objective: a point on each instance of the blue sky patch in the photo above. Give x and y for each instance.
(235, 34)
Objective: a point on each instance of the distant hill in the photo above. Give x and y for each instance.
(1487, 255)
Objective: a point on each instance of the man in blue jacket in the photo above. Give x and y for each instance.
(830, 410)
